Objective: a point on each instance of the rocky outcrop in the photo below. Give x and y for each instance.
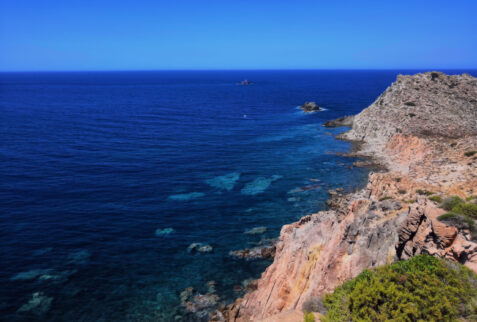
(309, 107)
(419, 129)
(259, 252)
(341, 121)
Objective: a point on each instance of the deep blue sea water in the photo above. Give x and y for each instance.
(95, 165)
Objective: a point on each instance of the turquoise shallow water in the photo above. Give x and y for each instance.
(107, 178)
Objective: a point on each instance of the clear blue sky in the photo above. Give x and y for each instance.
(240, 34)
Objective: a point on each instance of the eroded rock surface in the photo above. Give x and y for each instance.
(419, 129)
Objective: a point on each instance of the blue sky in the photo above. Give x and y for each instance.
(203, 34)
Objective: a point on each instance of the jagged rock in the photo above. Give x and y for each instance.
(342, 121)
(259, 252)
(390, 205)
(200, 247)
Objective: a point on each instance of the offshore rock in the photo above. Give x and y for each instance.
(309, 107)
(200, 247)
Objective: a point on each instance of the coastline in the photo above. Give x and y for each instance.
(423, 149)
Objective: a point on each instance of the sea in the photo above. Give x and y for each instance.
(107, 178)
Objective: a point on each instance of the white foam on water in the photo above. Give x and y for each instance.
(79, 257)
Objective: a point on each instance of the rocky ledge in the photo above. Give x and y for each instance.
(423, 129)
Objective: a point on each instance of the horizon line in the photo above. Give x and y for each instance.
(233, 69)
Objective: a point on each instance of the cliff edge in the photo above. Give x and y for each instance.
(423, 129)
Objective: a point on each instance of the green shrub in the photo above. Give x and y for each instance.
(470, 198)
(437, 199)
(466, 209)
(424, 192)
(402, 191)
(451, 202)
(423, 288)
(457, 220)
(309, 317)
(470, 153)
(398, 179)
(385, 198)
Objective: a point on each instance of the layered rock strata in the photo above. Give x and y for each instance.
(420, 129)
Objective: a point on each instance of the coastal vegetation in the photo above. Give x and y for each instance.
(423, 288)
(309, 317)
(460, 213)
(437, 199)
(470, 153)
(424, 192)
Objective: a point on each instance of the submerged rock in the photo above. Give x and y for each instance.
(162, 232)
(58, 277)
(186, 196)
(39, 304)
(309, 107)
(30, 275)
(256, 231)
(200, 247)
(79, 257)
(259, 185)
(198, 306)
(225, 182)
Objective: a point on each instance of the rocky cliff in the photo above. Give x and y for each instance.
(421, 129)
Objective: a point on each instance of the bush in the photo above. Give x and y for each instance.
(385, 198)
(423, 288)
(451, 202)
(466, 209)
(437, 199)
(470, 153)
(314, 304)
(457, 220)
(309, 317)
(402, 191)
(470, 198)
(424, 192)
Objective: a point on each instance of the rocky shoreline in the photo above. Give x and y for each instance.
(423, 130)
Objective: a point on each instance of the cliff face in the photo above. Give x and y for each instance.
(420, 129)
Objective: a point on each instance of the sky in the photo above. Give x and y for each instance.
(259, 34)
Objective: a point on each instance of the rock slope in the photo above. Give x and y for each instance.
(419, 129)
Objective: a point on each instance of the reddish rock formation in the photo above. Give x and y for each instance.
(419, 128)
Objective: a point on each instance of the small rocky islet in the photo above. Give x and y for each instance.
(422, 130)
(310, 107)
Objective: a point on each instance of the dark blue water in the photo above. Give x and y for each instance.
(92, 164)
